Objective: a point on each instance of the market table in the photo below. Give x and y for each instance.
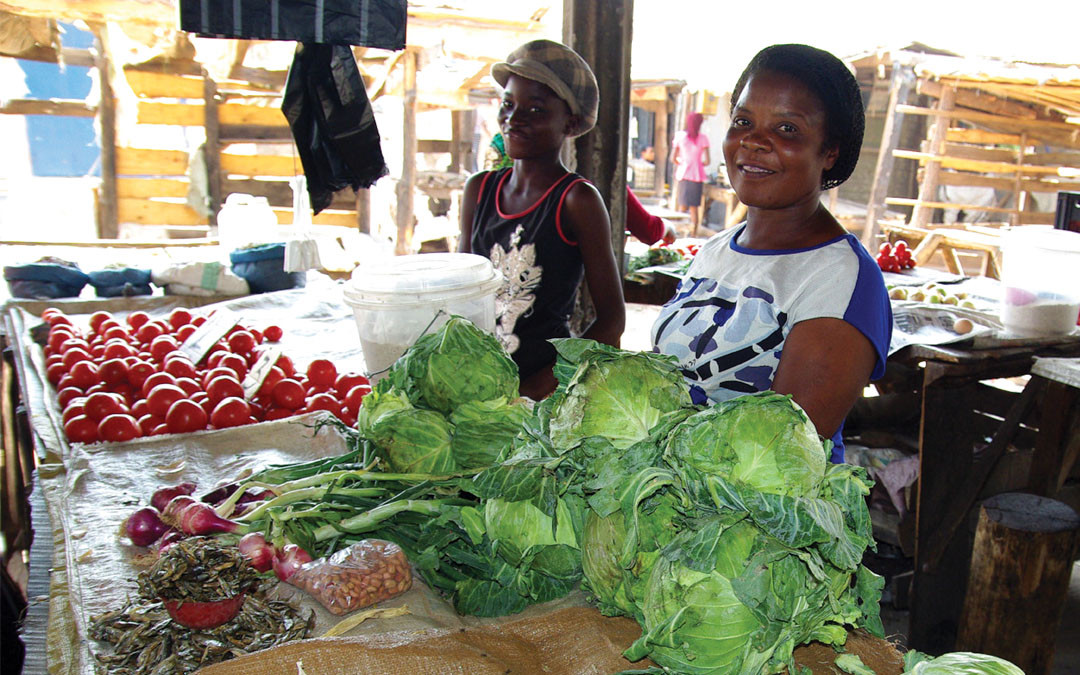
(89, 490)
(958, 411)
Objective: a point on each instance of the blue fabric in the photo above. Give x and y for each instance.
(45, 280)
(263, 267)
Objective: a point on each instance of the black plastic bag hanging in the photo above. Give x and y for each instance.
(332, 122)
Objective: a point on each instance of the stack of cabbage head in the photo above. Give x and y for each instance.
(450, 403)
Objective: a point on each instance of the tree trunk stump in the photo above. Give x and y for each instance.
(1019, 578)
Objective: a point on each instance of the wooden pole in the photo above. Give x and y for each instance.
(462, 157)
(903, 77)
(212, 148)
(920, 216)
(601, 33)
(660, 145)
(406, 187)
(1020, 566)
(108, 225)
(1019, 196)
(363, 210)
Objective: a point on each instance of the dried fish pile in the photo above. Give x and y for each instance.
(200, 569)
(146, 641)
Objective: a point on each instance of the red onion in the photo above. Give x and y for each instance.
(164, 495)
(200, 518)
(173, 510)
(258, 552)
(220, 493)
(288, 561)
(144, 527)
(171, 537)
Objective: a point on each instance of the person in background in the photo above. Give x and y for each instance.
(690, 157)
(542, 226)
(787, 301)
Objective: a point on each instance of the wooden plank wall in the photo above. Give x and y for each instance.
(152, 184)
(984, 139)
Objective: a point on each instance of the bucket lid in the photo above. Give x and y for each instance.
(1040, 236)
(421, 278)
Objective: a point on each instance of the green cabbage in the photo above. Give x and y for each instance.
(764, 441)
(963, 663)
(412, 440)
(615, 394)
(457, 364)
(382, 398)
(484, 429)
(524, 535)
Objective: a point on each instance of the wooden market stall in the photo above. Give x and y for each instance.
(1001, 139)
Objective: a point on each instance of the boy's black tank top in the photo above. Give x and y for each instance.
(541, 269)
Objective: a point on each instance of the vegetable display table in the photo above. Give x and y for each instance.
(959, 412)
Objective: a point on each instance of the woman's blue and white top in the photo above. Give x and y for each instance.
(729, 318)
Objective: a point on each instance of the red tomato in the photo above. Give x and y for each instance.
(221, 388)
(241, 342)
(286, 365)
(137, 319)
(230, 412)
(257, 335)
(55, 373)
(324, 402)
(58, 319)
(106, 326)
(180, 367)
(67, 395)
(148, 331)
(74, 355)
(236, 363)
(185, 416)
(273, 333)
(322, 372)
(346, 381)
(355, 397)
(97, 352)
(140, 408)
(162, 346)
(101, 404)
(161, 398)
(96, 318)
(215, 373)
(65, 382)
(84, 374)
(117, 349)
(116, 333)
(189, 385)
(148, 422)
(288, 393)
(179, 317)
(119, 428)
(154, 380)
(348, 417)
(74, 408)
(139, 371)
(184, 332)
(113, 371)
(278, 413)
(273, 376)
(81, 429)
(49, 312)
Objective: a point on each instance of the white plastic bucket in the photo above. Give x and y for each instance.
(395, 301)
(1040, 281)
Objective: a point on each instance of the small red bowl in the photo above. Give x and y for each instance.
(203, 615)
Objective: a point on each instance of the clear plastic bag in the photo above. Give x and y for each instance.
(363, 574)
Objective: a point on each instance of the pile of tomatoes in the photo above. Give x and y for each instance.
(126, 379)
(895, 257)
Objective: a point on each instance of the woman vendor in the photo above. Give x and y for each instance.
(787, 301)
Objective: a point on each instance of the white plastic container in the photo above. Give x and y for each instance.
(395, 301)
(1040, 281)
(245, 220)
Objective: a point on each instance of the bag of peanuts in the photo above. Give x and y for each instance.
(367, 572)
